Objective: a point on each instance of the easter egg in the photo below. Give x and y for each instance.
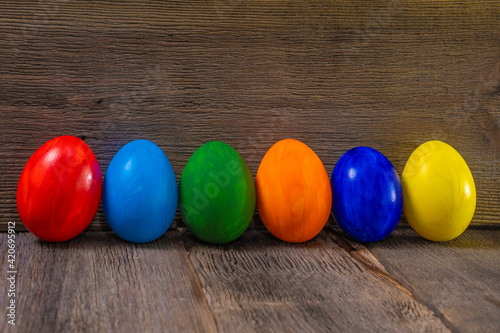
(439, 192)
(59, 189)
(216, 193)
(294, 197)
(367, 195)
(140, 192)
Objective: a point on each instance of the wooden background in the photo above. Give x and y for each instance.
(333, 74)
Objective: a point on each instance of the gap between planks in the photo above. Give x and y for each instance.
(269, 285)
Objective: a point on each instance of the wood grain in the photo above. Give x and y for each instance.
(259, 283)
(390, 74)
(99, 283)
(458, 280)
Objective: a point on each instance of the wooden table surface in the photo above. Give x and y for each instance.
(390, 74)
(99, 283)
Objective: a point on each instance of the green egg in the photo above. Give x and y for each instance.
(216, 193)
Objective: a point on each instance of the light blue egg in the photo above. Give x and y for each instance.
(140, 192)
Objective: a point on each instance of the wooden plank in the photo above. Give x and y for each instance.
(459, 280)
(335, 74)
(259, 283)
(99, 283)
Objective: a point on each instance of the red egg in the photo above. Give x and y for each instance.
(59, 189)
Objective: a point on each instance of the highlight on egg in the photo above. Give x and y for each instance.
(439, 192)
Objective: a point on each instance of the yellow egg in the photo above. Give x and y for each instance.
(439, 195)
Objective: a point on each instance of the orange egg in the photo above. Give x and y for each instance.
(294, 197)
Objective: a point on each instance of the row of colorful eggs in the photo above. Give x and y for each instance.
(59, 192)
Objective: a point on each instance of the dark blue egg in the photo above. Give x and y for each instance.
(367, 195)
(140, 192)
